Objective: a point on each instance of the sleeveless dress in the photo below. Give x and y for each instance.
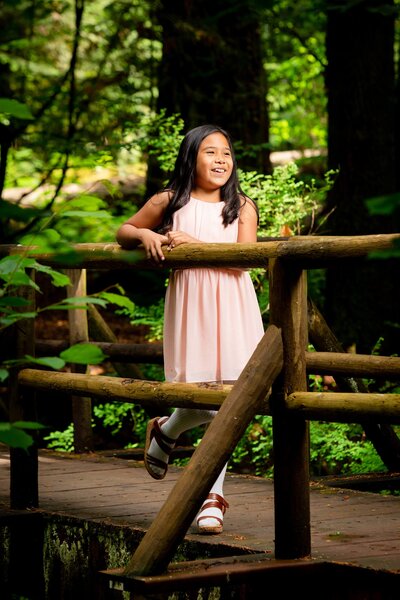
(212, 320)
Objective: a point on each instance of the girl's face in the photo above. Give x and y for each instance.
(214, 162)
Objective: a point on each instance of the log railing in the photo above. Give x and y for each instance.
(280, 362)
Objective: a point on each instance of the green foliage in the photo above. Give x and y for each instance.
(295, 62)
(283, 199)
(13, 108)
(61, 441)
(341, 448)
(160, 136)
(254, 451)
(14, 434)
(153, 317)
(388, 205)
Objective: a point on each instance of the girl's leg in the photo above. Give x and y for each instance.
(210, 518)
(181, 420)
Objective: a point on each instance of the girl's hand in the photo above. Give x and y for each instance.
(152, 243)
(176, 238)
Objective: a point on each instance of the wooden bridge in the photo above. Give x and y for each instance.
(280, 362)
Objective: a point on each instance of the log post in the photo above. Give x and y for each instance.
(24, 487)
(381, 435)
(288, 310)
(78, 332)
(222, 435)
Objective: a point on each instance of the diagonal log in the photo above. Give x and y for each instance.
(381, 435)
(224, 432)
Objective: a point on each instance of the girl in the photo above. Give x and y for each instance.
(212, 321)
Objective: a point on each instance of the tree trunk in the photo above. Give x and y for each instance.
(212, 72)
(361, 296)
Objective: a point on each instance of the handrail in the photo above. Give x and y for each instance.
(296, 248)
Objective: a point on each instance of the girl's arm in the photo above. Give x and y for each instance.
(139, 228)
(248, 222)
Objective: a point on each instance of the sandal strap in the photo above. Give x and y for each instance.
(156, 462)
(202, 518)
(162, 440)
(215, 501)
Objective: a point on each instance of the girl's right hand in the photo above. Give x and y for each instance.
(152, 243)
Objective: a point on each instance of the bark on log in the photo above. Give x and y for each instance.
(288, 310)
(24, 487)
(78, 332)
(344, 363)
(147, 393)
(381, 435)
(345, 407)
(302, 249)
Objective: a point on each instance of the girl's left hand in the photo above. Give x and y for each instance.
(176, 238)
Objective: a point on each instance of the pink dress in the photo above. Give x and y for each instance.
(212, 320)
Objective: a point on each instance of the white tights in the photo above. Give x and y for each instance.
(181, 420)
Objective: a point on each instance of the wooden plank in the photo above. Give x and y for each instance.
(219, 441)
(288, 310)
(249, 524)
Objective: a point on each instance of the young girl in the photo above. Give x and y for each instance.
(212, 321)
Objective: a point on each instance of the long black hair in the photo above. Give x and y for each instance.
(183, 177)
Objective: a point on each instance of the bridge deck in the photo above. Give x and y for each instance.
(361, 528)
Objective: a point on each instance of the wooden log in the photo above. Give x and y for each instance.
(345, 407)
(78, 332)
(382, 435)
(344, 363)
(222, 435)
(147, 393)
(185, 395)
(288, 310)
(150, 352)
(312, 249)
(24, 487)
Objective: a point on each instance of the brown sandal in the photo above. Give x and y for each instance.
(212, 501)
(154, 431)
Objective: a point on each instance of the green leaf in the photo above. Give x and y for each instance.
(14, 437)
(77, 302)
(383, 205)
(58, 279)
(19, 278)
(83, 354)
(10, 318)
(119, 300)
(8, 210)
(16, 109)
(54, 362)
(13, 301)
(100, 214)
(4, 373)
(28, 425)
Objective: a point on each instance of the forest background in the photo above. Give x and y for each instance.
(94, 100)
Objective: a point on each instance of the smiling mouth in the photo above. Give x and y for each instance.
(218, 170)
